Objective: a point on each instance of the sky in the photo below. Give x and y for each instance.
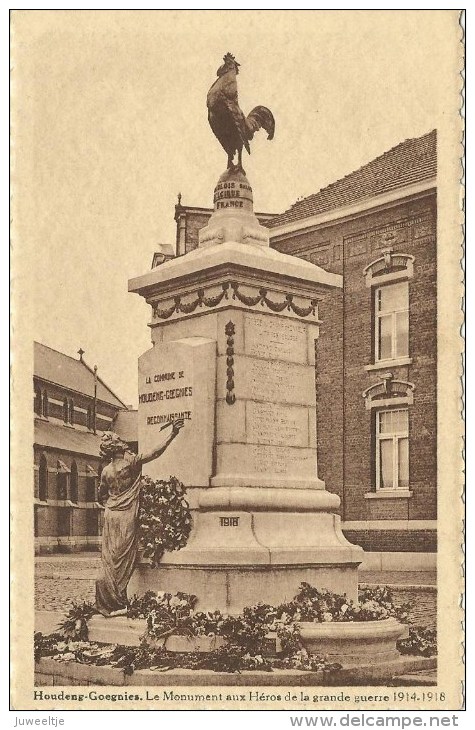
(110, 123)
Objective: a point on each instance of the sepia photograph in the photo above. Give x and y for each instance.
(236, 398)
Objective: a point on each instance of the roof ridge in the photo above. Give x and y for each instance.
(386, 171)
(362, 167)
(64, 354)
(84, 364)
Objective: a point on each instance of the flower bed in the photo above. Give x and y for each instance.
(294, 635)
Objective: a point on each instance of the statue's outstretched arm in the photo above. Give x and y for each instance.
(158, 450)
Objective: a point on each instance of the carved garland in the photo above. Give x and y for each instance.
(230, 330)
(188, 307)
(263, 299)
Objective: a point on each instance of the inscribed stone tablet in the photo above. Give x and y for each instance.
(275, 338)
(280, 382)
(177, 380)
(279, 424)
(254, 459)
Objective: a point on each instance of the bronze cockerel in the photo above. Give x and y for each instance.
(231, 127)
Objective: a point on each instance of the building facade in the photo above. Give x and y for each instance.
(72, 408)
(376, 373)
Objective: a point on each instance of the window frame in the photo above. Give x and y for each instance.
(74, 483)
(91, 489)
(45, 404)
(38, 402)
(378, 315)
(62, 483)
(395, 437)
(43, 479)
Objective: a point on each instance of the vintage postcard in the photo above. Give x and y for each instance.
(237, 438)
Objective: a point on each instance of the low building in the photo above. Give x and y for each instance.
(72, 407)
(377, 351)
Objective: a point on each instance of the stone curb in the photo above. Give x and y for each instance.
(66, 576)
(429, 588)
(51, 672)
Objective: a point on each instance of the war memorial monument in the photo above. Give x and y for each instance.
(234, 326)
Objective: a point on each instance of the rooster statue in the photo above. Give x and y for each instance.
(230, 126)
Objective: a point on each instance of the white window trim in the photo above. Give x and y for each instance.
(381, 364)
(385, 386)
(393, 314)
(395, 437)
(389, 494)
(389, 276)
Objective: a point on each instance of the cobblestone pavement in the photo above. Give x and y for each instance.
(63, 580)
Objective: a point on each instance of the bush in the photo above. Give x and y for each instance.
(421, 641)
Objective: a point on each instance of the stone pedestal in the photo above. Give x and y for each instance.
(234, 326)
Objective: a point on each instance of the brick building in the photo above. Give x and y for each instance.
(377, 352)
(72, 408)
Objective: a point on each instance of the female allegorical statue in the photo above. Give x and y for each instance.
(119, 491)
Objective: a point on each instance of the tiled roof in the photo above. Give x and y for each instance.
(412, 161)
(65, 438)
(125, 425)
(71, 373)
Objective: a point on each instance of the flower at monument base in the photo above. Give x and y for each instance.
(68, 656)
(164, 518)
(247, 634)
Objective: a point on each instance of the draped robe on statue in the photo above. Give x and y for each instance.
(120, 489)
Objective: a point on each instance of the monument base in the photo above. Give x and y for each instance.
(241, 558)
(232, 588)
(237, 559)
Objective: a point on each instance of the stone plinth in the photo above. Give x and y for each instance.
(132, 632)
(348, 642)
(234, 326)
(233, 218)
(345, 643)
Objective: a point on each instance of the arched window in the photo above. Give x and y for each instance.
(38, 401)
(43, 479)
(45, 404)
(90, 489)
(71, 411)
(62, 480)
(73, 483)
